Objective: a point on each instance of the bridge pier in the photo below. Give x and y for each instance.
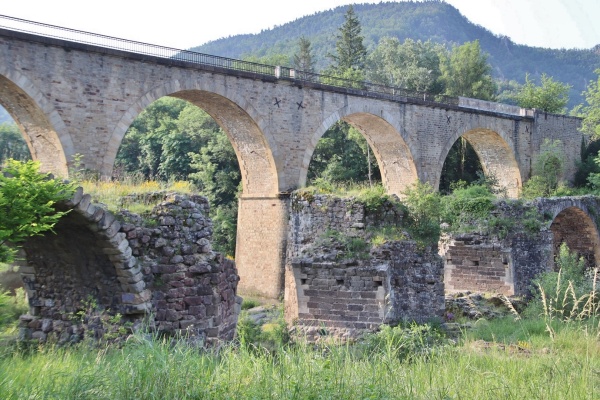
(261, 245)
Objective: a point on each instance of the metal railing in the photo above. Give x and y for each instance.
(360, 87)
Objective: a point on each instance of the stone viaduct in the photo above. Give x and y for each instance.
(71, 97)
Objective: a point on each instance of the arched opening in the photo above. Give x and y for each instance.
(577, 230)
(364, 137)
(496, 159)
(35, 125)
(461, 165)
(236, 136)
(174, 140)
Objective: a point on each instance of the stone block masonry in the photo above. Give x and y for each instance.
(338, 283)
(101, 273)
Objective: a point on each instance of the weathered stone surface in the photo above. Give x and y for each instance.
(328, 287)
(486, 262)
(81, 268)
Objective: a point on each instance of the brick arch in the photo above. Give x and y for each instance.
(392, 150)
(572, 224)
(86, 257)
(236, 116)
(42, 127)
(495, 152)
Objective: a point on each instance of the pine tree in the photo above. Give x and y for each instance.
(303, 60)
(350, 50)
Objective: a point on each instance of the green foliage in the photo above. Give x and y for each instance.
(342, 155)
(304, 60)
(174, 139)
(466, 206)
(350, 50)
(11, 307)
(551, 96)
(12, 144)
(547, 171)
(249, 303)
(461, 165)
(423, 204)
(439, 22)
(270, 337)
(467, 73)
(569, 293)
(348, 247)
(413, 65)
(405, 342)
(27, 200)
(591, 111)
(374, 198)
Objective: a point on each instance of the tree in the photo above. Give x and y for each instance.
(413, 65)
(12, 144)
(551, 96)
(591, 112)
(27, 200)
(303, 60)
(547, 171)
(466, 72)
(342, 156)
(350, 50)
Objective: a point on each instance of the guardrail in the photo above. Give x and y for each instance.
(285, 73)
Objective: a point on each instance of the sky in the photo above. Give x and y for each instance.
(184, 24)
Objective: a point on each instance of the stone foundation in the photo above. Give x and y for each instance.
(338, 283)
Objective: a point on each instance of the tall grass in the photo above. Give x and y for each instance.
(114, 193)
(146, 369)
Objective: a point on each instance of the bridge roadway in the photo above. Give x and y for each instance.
(79, 96)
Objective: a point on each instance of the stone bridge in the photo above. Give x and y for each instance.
(71, 97)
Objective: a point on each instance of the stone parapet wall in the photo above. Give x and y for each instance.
(158, 270)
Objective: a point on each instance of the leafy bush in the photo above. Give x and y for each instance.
(466, 205)
(27, 200)
(547, 170)
(424, 208)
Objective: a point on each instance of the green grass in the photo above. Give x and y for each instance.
(563, 368)
(112, 193)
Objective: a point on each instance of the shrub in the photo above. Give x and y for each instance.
(423, 208)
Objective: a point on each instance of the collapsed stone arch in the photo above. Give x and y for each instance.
(42, 127)
(237, 117)
(86, 257)
(495, 152)
(573, 225)
(392, 150)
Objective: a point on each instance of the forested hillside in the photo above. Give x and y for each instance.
(434, 20)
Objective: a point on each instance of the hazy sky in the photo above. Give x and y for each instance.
(183, 24)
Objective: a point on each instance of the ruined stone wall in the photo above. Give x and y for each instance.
(103, 276)
(507, 263)
(337, 281)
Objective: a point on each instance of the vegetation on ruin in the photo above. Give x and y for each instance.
(27, 204)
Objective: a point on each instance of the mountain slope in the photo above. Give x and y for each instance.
(433, 20)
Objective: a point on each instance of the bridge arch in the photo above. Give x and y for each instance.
(394, 153)
(85, 256)
(574, 225)
(42, 127)
(242, 124)
(496, 155)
